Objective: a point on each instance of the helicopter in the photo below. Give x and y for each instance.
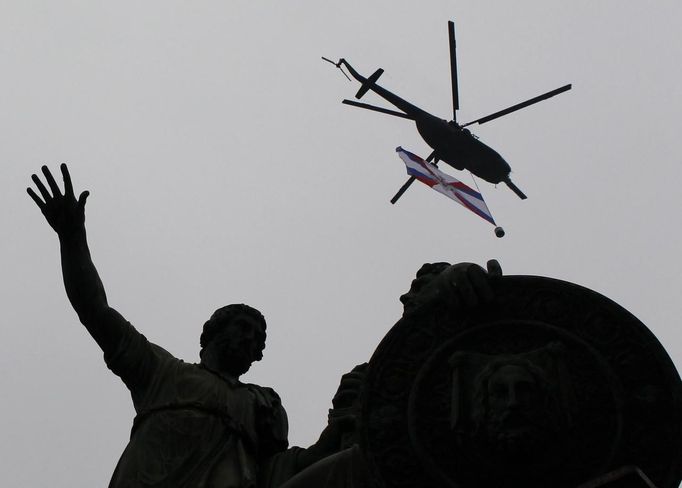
(452, 143)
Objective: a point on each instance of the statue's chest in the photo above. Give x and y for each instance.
(194, 386)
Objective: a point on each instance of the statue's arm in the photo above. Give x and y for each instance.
(340, 432)
(86, 292)
(66, 215)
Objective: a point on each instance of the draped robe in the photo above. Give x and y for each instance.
(195, 428)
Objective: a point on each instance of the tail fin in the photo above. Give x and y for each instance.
(515, 189)
(369, 82)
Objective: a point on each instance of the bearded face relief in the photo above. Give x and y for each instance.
(514, 412)
(510, 411)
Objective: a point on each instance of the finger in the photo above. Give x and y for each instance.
(350, 386)
(361, 367)
(68, 186)
(345, 422)
(494, 268)
(82, 198)
(41, 188)
(349, 422)
(353, 375)
(480, 282)
(50, 181)
(35, 198)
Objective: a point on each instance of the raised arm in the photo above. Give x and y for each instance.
(66, 216)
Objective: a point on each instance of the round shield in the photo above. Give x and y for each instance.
(552, 384)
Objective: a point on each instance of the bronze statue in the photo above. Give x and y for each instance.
(485, 382)
(197, 425)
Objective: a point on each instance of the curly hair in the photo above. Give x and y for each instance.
(432, 268)
(224, 315)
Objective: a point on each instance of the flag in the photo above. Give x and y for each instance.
(443, 183)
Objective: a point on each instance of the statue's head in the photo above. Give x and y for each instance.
(515, 408)
(424, 276)
(233, 338)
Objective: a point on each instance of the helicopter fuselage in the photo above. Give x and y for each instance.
(452, 144)
(460, 149)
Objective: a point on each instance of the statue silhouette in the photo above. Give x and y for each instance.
(198, 425)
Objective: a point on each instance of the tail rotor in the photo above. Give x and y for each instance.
(338, 65)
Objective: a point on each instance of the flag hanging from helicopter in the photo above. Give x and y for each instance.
(443, 183)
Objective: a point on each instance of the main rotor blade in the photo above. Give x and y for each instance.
(377, 109)
(409, 181)
(453, 70)
(519, 106)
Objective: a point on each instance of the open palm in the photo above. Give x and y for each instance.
(64, 213)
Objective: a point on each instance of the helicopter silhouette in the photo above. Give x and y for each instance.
(451, 142)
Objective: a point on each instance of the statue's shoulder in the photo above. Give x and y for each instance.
(272, 421)
(264, 394)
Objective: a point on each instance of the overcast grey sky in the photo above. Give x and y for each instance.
(223, 168)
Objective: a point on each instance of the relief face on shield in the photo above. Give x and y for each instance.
(512, 408)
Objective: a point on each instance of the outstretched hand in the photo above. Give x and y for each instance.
(342, 424)
(350, 387)
(64, 213)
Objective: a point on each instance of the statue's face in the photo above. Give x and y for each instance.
(408, 299)
(236, 346)
(516, 404)
(424, 276)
